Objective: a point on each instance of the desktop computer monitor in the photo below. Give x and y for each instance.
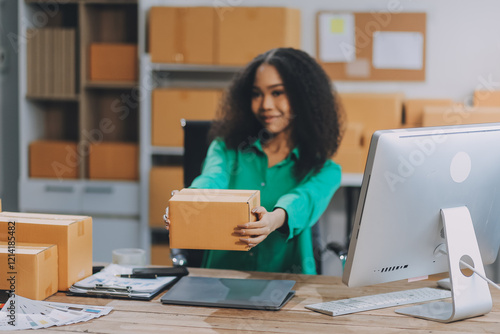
(412, 178)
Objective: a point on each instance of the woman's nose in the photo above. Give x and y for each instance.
(267, 102)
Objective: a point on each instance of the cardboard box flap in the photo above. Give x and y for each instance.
(42, 216)
(209, 198)
(38, 221)
(216, 195)
(225, 192)
(25, 247)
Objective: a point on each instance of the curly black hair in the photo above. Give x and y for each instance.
(316, 122)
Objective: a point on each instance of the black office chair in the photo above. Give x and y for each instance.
(195, 150)
(340, 249)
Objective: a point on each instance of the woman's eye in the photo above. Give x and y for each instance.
(255, 94)
(277, 93)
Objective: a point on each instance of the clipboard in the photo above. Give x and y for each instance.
(105, 284)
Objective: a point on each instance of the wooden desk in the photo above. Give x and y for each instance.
(153, 317)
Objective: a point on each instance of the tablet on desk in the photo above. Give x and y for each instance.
(254, 294)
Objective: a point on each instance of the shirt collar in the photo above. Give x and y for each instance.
(258, 146)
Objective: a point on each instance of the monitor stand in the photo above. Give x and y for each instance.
(470, 294)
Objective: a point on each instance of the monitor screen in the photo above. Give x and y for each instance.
(410, 175)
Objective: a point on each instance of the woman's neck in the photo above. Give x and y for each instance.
(278, 148)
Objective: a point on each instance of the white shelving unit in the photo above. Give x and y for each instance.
(114, 205)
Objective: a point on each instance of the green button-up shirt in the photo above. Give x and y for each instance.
(304, 202)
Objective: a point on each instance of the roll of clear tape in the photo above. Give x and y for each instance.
(129, 256)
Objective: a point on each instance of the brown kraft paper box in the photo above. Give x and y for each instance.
(206, 218)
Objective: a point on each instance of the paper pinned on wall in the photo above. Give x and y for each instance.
(398, 50)
(336, 38)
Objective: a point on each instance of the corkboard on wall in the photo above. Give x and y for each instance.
(361, 66)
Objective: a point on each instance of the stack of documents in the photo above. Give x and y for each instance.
(23, 313)
(106, 283)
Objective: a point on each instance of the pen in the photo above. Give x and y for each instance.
(137, 276)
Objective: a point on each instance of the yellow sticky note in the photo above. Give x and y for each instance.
(337, 26)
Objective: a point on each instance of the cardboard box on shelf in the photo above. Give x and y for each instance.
(114, 161)
(414, 109)
(160, 255)
(113, 62)
(182, 34)
(487, 98)
(169, 106)
(245, 32)
(376, 111)
(457, 115)
(352, 152)
(206, 218)
(53, 159)
(162, 180)
(71, 234)
(351, 159)
(353, 135)
(35, 267)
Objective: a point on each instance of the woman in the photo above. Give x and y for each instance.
(279, 126)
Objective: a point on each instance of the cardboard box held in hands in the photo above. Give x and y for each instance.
(206, 218)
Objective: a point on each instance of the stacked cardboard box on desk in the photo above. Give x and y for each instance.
(49, 252)
(31, 269)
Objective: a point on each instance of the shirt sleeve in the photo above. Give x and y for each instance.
(216, 167)
(306, 203)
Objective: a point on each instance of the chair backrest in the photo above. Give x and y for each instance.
(195, 148)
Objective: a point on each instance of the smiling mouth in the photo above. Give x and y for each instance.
(268, 119)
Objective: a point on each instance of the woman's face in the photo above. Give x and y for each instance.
(269, 100)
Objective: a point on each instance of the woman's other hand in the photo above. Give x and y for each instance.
(253, 233)
(165, 216)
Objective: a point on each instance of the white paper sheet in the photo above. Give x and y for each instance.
(336, 38)
(34, 314)
(398, 50)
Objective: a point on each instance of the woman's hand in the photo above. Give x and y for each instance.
(253, 233)
(165, 216)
